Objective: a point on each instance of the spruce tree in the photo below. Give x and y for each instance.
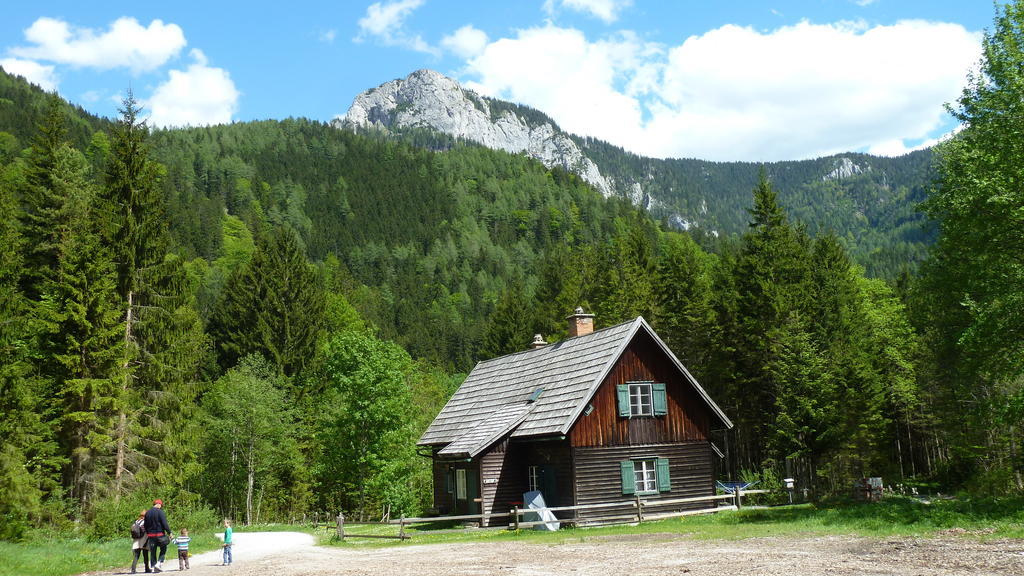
(683, 313)
(508, 328)
(84, 348)
(28, 457)
(772, 275)
(163, 340)
(40, 199)
(273, 306)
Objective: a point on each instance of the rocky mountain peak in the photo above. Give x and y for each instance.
(428, 99)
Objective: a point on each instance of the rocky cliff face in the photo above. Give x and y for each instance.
(427, 99)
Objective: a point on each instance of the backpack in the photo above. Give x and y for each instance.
(137, 531)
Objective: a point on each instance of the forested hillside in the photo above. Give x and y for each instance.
(868, 202)
(258, 320)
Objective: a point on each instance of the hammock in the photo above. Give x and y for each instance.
(730, 487)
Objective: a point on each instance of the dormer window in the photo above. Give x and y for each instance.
(640, 399)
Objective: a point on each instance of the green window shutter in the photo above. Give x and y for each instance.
(664, 482)
(660, 398)
(628, 477)
(622, 391)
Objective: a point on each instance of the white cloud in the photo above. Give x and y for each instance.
(328, 36)
(127, 44)
(39, 74)
(466, 42)
(385, 21)
(736, 93)
(91, 96)
(198, 96)
(606, 10)
(863, 3)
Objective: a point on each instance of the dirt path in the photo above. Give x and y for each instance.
(285, 554)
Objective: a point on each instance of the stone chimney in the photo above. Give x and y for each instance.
(538, 342)
(580, 323)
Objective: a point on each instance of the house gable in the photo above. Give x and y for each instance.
(689, 416)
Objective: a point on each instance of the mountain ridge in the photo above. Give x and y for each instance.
(855, 195)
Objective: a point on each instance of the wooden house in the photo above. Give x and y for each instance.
(598, 417)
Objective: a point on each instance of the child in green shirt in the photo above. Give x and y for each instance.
(227, 542)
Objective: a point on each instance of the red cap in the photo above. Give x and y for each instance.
(158, 501)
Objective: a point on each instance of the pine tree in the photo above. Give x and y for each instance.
(627, 273)
(40, 199)
(163, 339)
(508, 328)
(683, 313)
(28, 457)
(273, 306)
(84, 349)
(772, 274)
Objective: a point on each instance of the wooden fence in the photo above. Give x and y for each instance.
(636, 511)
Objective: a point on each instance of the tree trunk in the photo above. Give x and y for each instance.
(251, 465)
(122, 417)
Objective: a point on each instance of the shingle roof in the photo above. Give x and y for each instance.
(493, 426)
(494, 395)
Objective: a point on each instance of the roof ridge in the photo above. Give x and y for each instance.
(605, 329)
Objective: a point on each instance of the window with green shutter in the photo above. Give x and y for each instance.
(637, 399)
(646, 476)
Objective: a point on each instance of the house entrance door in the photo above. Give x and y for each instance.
(548, 486)
(467, 491)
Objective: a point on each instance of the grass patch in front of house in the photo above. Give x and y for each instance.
(56, 555)
(894, 516)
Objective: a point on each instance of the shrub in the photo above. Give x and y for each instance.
(110, 518)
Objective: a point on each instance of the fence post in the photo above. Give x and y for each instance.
(515, 517)
(639, 510)
(341, 526)
(739, 495)
(401, 527)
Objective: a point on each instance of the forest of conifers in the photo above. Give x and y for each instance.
(259, 319)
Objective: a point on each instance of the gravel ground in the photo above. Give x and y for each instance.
(285, 554)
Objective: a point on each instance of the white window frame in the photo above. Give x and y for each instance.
(533, 478)
(645, 475)
(641, 399)
(460, 484)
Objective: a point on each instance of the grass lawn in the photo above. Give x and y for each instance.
(60, 556)
(892, 517)
(987, 519)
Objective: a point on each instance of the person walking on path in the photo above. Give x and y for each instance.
(227, 542)
(138, 532)
(182, 542)
(158, 534)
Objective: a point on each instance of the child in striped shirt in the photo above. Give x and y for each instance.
(182, 541)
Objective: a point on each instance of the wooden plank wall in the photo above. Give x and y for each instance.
(443, 500)
(446, 502)
(506, 463)
(598, 476)
(688, 418)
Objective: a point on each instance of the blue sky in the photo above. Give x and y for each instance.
(738, 80)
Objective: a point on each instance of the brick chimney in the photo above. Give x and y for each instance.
(580, 323)
(538, 342)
